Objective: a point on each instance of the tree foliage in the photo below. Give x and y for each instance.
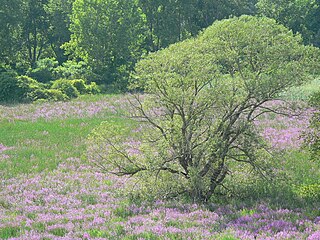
(312, 136)
(300, 16)
(58, 12)
(10, 14)
(111, 36)
(107, 35)
(201, 99)
(170, 21)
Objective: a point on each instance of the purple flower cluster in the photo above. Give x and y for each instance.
(62, 110)
(284, 131)
(266, 223)
(75, 202)
(2, 149)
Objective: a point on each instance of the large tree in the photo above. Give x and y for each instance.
(34, 30)
(58, 12)
(201, 99)
(10, 18)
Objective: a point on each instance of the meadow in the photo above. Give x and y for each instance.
(48, 189)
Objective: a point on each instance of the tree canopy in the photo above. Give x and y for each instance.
(111, 36)
(202, 98)
(300, 16)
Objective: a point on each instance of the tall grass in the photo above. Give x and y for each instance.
(302, 93)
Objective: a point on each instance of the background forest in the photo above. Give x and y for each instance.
(100, 41)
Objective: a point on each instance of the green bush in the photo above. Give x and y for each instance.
(48, 94)
(15, 88)
(92, 88)
(8, 86)
(44, 70)
(84, 88)
(73, 88)
(67, 87)
(28, 82)
(72, 70)
(80, 85)
(308, 191)
(314, 100)
(313, 135)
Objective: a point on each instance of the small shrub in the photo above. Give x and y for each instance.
(92, 88)
(44, 70)
(80, 85)
(308, 191)
(15, 88)
(48, 94)
(67, 87)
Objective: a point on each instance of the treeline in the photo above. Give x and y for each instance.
(101, 40)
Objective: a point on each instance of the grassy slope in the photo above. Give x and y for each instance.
(40, 145)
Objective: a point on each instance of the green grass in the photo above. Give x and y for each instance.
(96, 97)
(9, 232)
(41, 145)
(303, 92)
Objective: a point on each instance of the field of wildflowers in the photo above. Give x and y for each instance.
(48, 191)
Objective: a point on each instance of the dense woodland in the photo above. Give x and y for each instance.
(100, 41)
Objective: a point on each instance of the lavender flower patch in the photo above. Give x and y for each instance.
(284, 131)
(63, 110)
(74, 202)
(4, 148)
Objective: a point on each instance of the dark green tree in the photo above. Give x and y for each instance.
(300, 16)
(58, 12)
(10, 20)
(170, 21)
(35, 30)
(108, 35)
